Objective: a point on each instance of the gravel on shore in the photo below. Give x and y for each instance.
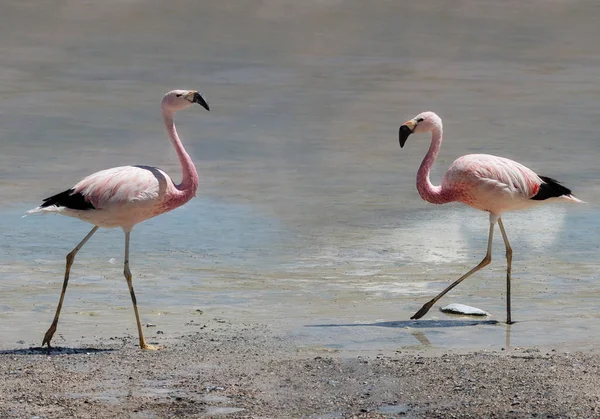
(237, 370)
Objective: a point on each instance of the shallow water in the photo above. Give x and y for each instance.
(307, 215)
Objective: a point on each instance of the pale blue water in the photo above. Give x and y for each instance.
(307, 216)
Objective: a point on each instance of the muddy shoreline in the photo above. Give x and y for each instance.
(251, 370)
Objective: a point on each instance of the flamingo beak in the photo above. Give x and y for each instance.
(194, 97)
(405, 130)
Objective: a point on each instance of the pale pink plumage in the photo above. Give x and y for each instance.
(482, 181)
(488, 183)
(125, 196)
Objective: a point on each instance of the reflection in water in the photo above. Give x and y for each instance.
(421, 338)
(307, 209)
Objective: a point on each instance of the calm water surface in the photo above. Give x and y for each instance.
(307, 215)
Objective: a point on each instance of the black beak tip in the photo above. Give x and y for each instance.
(200, 101)
(403, 134)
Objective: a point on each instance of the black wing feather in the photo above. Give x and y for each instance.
(551, 188)
(68, 199)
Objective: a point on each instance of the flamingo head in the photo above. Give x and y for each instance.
(423, 122)
(177, 100)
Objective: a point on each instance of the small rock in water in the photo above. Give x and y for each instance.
(456, 308)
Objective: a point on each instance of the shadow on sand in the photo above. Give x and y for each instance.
(58, 350)
(414, 324)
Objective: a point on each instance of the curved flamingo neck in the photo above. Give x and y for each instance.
(189, 180)
(427, 190)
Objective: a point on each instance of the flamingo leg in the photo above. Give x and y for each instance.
(486, 261)
(509, 253)
(70, 259)
(128, 277)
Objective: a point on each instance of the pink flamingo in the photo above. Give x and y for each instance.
(487, 183)
(125, 196)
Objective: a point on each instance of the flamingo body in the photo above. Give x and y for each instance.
(485, 182)
(497, 184)
(118, 197)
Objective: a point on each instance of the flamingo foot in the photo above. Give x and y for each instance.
(147, 347)
(48, 335)
(423, 310)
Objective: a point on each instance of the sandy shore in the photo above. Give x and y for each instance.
(238, 370)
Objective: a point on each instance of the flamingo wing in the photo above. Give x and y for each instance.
(499, 173)
(113, 187)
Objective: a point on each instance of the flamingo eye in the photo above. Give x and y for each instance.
(178, 95)
(419, 120)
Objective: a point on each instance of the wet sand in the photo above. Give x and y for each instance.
(251, 370)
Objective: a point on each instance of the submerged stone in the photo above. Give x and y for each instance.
(456, 308)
